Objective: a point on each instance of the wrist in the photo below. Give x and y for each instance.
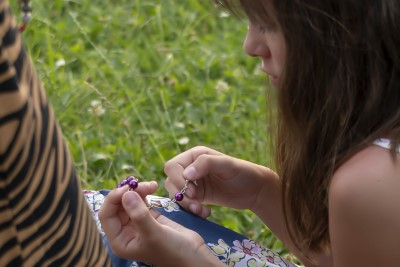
(269, 190)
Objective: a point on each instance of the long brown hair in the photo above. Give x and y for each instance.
(340, 92)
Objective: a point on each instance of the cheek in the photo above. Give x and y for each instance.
(281, 60)
(280, 56)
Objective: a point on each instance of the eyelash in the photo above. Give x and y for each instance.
(265, 28)
(262, 29)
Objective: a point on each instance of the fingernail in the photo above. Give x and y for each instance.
(189, 172)
(189, 193)
(192, 208)
(122, 188)
(130, 200)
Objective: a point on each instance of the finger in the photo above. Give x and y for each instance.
(175, 166)
(174, 178)
(174, 185)
(206, 170)
(146, 188)
(189, 202)
(189, 195)
(210, 165)
(200, 210)
(186, 165)
(109, 211)
(139, 214)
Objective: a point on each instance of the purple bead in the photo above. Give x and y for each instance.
(179, 196)
(130, 178)
(133, 184)
(123, 182)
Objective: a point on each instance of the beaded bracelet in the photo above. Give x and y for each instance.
(26, 15)
(133, 183)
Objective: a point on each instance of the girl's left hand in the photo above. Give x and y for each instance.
(136, 232)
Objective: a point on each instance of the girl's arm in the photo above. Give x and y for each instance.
(231, 182)
(269, 209)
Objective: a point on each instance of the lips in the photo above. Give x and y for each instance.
(274, 79)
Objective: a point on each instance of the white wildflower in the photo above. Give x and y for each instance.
(180, 125)
(60, 63)
(224, 14)
(183, 140)
(222, 87)
(96, 108)
(170, 57)
(127, 167)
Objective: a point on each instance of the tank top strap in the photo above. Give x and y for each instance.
(386, 143)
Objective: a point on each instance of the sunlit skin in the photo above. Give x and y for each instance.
(268, 44)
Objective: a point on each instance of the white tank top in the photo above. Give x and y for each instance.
(385, 143)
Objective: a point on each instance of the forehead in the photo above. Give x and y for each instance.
(257, 11)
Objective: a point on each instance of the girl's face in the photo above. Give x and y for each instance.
(269, 45)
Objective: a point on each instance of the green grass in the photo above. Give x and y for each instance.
(163, 71)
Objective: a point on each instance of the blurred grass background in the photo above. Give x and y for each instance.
(134, 83)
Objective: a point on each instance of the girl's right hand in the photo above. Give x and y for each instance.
(136, 232)
(216, 179)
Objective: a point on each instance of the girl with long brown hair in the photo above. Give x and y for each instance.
(334, 196)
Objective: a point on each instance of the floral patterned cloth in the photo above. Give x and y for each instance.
(230, 247)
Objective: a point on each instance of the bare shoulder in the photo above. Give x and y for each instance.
(364, 213)
(370, 169)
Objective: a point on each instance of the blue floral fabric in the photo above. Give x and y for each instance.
(230, 247)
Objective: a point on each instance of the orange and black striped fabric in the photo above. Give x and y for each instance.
(44, 219)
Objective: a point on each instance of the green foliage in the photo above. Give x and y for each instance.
(134, 83)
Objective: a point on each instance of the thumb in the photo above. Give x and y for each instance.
(139, 213)
(205, 164)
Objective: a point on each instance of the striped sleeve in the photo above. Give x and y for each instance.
(44, 219)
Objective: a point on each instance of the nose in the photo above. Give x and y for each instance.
(255, 44)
